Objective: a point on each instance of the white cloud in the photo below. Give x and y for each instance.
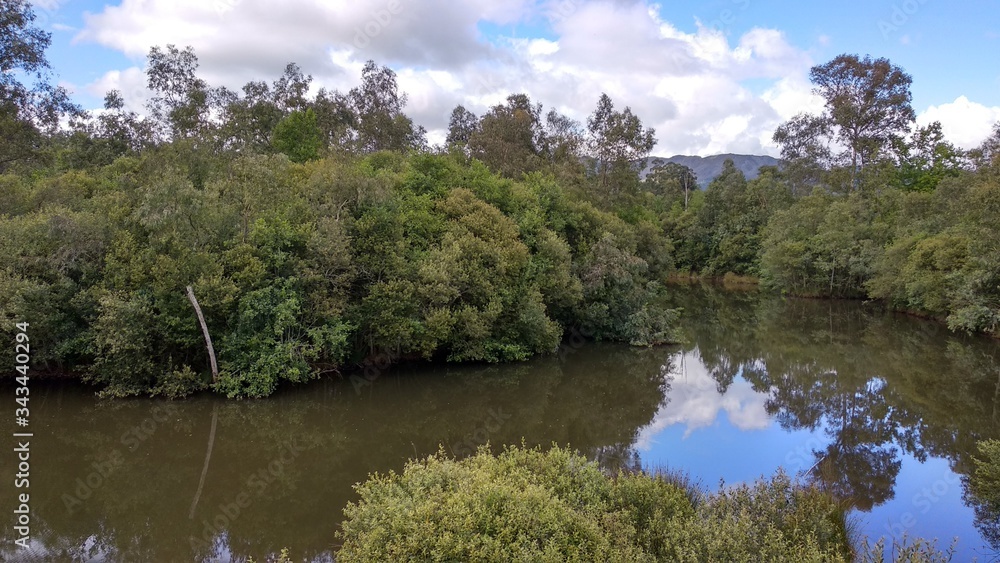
(964, 122)
(694, 401)
(793, 95)
(131, 82)
(692, 87)
(686, 85)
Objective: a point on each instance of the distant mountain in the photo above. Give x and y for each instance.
(708, 168)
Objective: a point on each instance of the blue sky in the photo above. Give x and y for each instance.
(712, 77)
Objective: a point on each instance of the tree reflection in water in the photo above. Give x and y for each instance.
(878, 384)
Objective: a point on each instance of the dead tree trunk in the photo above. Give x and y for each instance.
(204, 330)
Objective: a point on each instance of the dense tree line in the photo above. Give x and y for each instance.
(866, 204)
(317, 228)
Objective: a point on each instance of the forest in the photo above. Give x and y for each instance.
(318, 229)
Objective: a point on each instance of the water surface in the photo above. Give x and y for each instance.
(882, 409)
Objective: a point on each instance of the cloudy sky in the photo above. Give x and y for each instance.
(711, 76)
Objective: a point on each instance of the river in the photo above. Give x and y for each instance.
(882, 409)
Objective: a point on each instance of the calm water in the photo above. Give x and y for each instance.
(882, 409)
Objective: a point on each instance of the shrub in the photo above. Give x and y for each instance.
(529, 505)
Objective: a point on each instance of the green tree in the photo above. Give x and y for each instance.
(335, 118)
(462, 125)
(868, 113)
(182, 102)
(378, 105)
(298, 136)
(616, 142)
(248, 121)
(868, 103)
(927, 159)
(510, 137)
(672, 180)
(27, 114)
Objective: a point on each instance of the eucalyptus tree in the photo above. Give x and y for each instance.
(336, 119)
(462, 125)
(27, 112)
(181, 102)
(867, 114)
(378, 105)
(616, 141)
(510, 137)
(672, 179)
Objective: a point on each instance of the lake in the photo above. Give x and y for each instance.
(882, 409)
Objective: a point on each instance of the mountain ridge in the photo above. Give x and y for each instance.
(708, 168)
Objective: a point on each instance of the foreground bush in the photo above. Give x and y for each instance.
(984, 491)
(530, 505)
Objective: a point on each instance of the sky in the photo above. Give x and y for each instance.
(711, 77)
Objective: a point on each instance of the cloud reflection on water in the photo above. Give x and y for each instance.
(694, 400)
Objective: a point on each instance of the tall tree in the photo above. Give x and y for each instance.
(510, 137)
(291, 90)
(461, 126)
(248, 120)
(927, 159)
(617, 140)
(26, 112)
(182, 102)
(672, 178)
(378, 104)
(335, 118)
(805, 149)
(564, 140)
(867, 105)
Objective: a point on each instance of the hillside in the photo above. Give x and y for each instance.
(707, 168)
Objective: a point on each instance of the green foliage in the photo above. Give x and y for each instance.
(617, 299)
(984, 491)
(943, 260)
(301, 268)
(919, 226)
(617, 140)
(769, 521)
(298, 136)
(509, 137)
(905, 550)
(489, 251)
(529, 505)
(822, 246)
(29, 114)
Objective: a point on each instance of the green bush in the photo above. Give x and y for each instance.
(303, 267)
(529, 505)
